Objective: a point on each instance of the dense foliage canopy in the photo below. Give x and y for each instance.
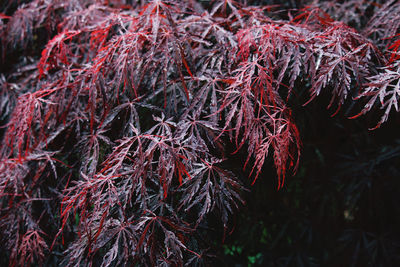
(133, 131)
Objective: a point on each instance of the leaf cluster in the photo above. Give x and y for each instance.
(114, 137)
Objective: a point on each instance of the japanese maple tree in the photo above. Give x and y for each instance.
(115, 115)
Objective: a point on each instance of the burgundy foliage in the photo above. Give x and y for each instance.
(113, 136)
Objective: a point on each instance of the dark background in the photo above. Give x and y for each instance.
(340, 209)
